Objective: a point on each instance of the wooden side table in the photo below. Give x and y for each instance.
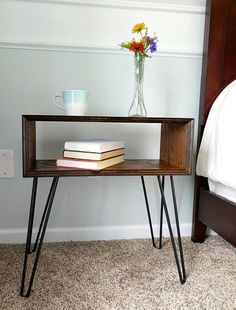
(175, 159)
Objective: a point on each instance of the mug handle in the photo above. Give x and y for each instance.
(54, 101)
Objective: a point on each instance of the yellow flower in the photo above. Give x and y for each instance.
(138, 28)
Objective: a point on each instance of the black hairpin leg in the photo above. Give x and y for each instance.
(161, 214)
(177, 227)
(31, 218)
(148, 211)
(40, 236)
(41, 225)
(182, 274)
(149, 214)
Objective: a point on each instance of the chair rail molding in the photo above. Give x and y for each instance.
(49, 46)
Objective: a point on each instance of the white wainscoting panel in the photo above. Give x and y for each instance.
(99, 26)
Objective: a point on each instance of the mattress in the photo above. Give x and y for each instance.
(217, 152)
(222, 190)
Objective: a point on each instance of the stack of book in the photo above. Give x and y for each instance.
(92, 154)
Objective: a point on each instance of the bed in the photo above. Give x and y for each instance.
(211, 210)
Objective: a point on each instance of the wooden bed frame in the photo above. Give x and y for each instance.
(218, 70)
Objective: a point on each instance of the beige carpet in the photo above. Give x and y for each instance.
(129, 274)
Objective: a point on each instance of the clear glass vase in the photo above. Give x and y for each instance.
(137, 107)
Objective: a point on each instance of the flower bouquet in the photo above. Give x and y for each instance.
(140, 47)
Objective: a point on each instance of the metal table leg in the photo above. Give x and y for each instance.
(161, 214)
(40, 235)
(178, 228)
(148, 211)
(180, 268)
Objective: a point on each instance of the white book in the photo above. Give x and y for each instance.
(94, 145)
(93, 155)
(89, 164)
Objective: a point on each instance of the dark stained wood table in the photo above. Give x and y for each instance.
(175, 159)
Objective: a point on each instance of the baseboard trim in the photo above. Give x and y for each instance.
(91, 233)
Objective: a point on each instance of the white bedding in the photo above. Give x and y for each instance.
(217, 154)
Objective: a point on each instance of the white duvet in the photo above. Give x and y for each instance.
(217, 154)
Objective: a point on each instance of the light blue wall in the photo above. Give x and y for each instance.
(47, 46)
(28, 82)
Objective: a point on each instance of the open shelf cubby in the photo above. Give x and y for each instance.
(175, 148)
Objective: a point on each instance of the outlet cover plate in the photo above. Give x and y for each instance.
(6, 164)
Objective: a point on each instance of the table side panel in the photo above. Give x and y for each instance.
(176, 144)
(28, 145)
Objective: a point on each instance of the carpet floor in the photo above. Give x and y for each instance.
(122, 274)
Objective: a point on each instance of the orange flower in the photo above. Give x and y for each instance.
(136, 47)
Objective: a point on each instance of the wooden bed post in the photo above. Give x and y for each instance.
(198, 228)
(218, 70)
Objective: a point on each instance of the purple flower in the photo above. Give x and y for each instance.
(153, 46)
(149, 39)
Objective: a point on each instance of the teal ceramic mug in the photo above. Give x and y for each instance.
(75, 102)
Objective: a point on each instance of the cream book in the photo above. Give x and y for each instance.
(89, 164)
(92, 155)
(94, 145)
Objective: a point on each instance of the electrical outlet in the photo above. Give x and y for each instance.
(6, 164)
